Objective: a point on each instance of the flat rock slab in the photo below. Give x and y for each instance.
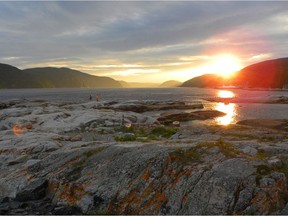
(141, 107)
(197, 115)
(279, 124)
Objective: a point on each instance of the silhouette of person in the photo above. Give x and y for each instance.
(90, 97)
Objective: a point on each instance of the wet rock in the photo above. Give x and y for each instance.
(198, 115)
(67, 210)
(4, 208)
(265, 123)
(35, 190)
(144, 106)
(4, 200)
(139, 108)
(3, 106)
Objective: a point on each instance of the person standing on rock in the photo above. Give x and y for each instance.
(90, 97)
(97, 97)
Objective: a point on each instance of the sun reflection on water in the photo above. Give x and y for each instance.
(226, 107)
(230, 110)
(225, 94)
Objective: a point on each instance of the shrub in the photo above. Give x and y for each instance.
(163, 131)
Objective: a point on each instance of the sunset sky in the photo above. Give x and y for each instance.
(143, 41)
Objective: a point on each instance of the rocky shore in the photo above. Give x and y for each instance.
(269, 100)
(117, 158)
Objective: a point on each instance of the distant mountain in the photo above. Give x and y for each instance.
(170, 83)
(206, 80)
(12, 77)
(267, 74)
(138, 85)
(49, 77)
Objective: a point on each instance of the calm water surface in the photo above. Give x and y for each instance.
(235, 112)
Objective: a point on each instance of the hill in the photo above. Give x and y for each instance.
(138, 84)
(206, 80)
(170, 83)
(49, 77)
(12, 77)
(267, 74)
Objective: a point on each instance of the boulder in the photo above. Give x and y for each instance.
(34, 191)
(274, 162)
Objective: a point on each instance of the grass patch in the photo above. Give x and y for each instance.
(93, 151)
(187, 155)
(270, 139)
(240, 136)
(163, 131)
(263, 170)
(262, 154)
(87, 154)
(125, 129)
(125, 138)
(194, 154)
(284, 169)
(141, 132)
(226, 148)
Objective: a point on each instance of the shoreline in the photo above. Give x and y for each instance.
(114, 158)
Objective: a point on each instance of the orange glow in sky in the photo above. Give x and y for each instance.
(226, 65)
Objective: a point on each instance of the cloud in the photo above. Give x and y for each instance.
(150, 35)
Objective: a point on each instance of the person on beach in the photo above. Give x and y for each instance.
(90, 97)
(97, 97)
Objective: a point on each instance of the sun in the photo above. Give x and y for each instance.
(226, 65)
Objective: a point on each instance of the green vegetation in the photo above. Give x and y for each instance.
(163, 131)
(93, 151)
(144, 134)
(87, 154)
(195, 153)
(263, 170)
(125, 138)
(226, 148)
(262, 154)
(187, 155)
(241, 136)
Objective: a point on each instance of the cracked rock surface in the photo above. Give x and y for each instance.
(64, 159)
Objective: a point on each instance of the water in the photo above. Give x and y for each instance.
(117, 94)
(235, 112)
